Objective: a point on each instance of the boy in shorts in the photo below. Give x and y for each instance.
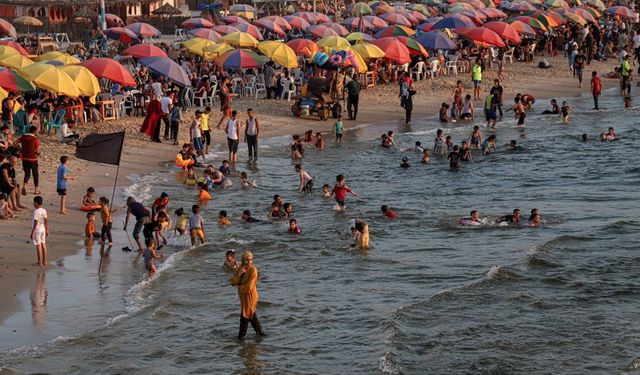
(196, 226)
(149, 254)
(40, 230)
(340, 191)
(206, 130)
(196, 134)
(62, 178)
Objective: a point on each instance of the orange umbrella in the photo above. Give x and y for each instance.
(304, 47)
(481, 36)
(505, 31)
(394, 50)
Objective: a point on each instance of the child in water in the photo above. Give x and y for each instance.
(387, 212)
(418, 147)
(274, 212)
(338, 128)
(405, 162)
(627, 102)
(191, 177)
(340, 191)
(87, 200)
(293, 227)
(565, 112)
(425, 157)
(489, 144)
(230, 262)
(149, 255)
(181, 221)
(326, 191)
(90, 227)
(203, 193)
(475, 138)
(454, 158)
(244, 181)
(222, 218)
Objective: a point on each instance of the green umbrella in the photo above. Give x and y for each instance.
(360, 9)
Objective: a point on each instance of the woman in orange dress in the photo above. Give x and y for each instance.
(246, 279)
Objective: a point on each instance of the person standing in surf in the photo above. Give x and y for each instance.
(246, 279)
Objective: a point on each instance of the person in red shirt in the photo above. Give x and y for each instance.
(596, 89)
(387, 212)
(29, 151)
(160, 204)
(340, 191)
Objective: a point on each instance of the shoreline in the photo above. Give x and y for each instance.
(141, 158)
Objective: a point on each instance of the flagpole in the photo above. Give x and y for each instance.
(113, 195)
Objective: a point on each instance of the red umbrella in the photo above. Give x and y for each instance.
(321, 17)
(341, 30)
(233, 19)
(109, 69)
(304, 47)
(523, 28)
(196, 23)
(376, 21)
(505, 31)
(143, 29)
(396, 19)
(144, 50)
(113, 20)
(8, 29)
(271, 26)
(224, 29)
(621, 11)
(394, 50)
(16, 46)
(297, 22)
(205, 33)
(121, 34)
(280, 21)
(13, 82)
(321, 31)
(249, 29)
(493, 13)
(481, 36)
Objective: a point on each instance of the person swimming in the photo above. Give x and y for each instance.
(454, 158)
(514, 218)
(405, 162)
(473, 219)
(247, 218)
(555, 109)
(425, 157)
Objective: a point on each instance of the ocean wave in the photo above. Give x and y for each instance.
(551, 244)
(388, 365)
(534, 261)
(28, 351)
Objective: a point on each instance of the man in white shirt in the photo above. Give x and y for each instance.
(165, 105)
(40, 230)
(156, 87)
(66, 136)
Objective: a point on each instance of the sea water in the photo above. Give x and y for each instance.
(430, 296)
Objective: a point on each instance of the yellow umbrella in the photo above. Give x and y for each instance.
(8, 50)
(368, 50)
(575, 18)
(3, 95)
(362, 65)
(64, 58)
(50, 78)
(27, 21)
(15, 61)
(213, 52)
(196, 45)
(240, 39)
(280, 53)
(334, 41)
(86, 81)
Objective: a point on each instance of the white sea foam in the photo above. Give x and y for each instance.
(493, 272)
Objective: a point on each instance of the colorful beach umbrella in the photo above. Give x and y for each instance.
(243, 10)
(167, 68)
(271, 26)
(240, 59)
(481, 36)
(360, 9)
(144, 50)
(50, 78)
(556, 4)
(197, 23)
(621, 11)
(7, 50)
(249, 29)
(394, 50)
(304, 47)
(368, 50)
(297, 22)
(113, 20)
(451, 23)
(233, 19)
(415, 48)
(359, 37)
(396, 19)
(279, 52)
(493, 13)
(62, 57)
(10, 43)
(394, 30)
(530, 21)
(240, 39)
(505, 30)
(197, 45)
(11, 81)
(598, 4)
(205, 33)
(584, 14)
(339, 29)
(376, 21)
(575, 18)
(214, 51)
(7, 28)
(143, 29)
(224, 29)
(321, 31)
(523, 28)
(357, 23)
(122, 35)
(86, 81)
(519, 6)
(16, 62)
(436, 40)
(109, 69)
(280, 21)
(335, 42)
(27, 21)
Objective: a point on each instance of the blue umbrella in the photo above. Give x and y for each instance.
(451, 23)
(436, 40)
(167, 68)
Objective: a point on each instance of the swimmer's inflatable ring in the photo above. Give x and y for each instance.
(336, 59)
(320, 58)
(193, 181)
(181, 163)
(468, 222)
(95, 207)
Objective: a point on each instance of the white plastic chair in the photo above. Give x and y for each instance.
(260, 87)
(419, 71)
(452, 65)
(286, 89)
(200, 98)
(118, 101)
(508, 55)
(249, 89)
(211, 95)
(434, 67)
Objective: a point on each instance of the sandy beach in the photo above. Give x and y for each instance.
(140, 157)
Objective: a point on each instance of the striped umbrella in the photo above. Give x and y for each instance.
(481, 36)
(360, 9)
(144, 50)
(13, 82)
(224, 29)
(168, 68)
(396, 19)
(394, 30)
(598, 4)
(415, 48)
(505, 31)
(197, 23)
(249, 29)
(451, 23)
(240, 59)
(122, 35)
(621, 11)
(394, 50)
(144, 29)
(523, 28)
(205, 33)
(341, 30)
(376, 21)
(534, 23)
(280, 21)
(358, 23)
(233, 19)
(7, 28)
(304, 47)
(297, 22)
(321, 31)
(10, 43)
(271, 26)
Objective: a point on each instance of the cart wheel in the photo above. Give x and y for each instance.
(324, 113)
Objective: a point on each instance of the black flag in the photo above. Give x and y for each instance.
(101, 148)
